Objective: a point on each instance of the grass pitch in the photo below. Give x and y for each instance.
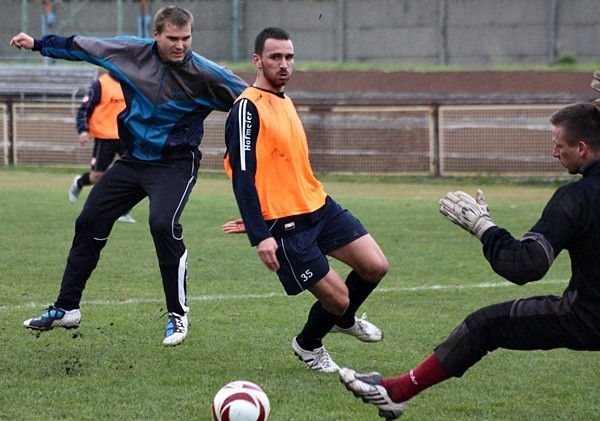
(114, 366)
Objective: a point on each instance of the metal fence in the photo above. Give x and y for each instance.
(497, 139)
(397, 140)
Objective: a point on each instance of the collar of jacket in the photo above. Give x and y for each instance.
(592, 167)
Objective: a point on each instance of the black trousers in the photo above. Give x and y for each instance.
(167, 184)
(536, 323)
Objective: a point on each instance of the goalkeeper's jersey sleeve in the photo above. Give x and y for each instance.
(518, 261)
(570, 221)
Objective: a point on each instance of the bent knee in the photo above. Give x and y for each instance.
(336, 305)
(88, 221)
(162, 226)
(375, 271)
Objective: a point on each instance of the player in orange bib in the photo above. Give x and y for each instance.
(97, 120)
(287, 214)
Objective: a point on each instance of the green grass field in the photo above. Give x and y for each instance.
(114, 366)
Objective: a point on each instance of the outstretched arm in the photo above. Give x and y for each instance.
(22, 40)
(518, 261)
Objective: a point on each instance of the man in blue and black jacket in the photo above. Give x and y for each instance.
(169, 91)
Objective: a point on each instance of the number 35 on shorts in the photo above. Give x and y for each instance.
(306, 275)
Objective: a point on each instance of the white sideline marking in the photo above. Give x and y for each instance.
(205, 298)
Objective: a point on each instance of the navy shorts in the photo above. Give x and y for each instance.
(302, 255)
(104, 153)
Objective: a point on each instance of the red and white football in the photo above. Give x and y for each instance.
(241, 400)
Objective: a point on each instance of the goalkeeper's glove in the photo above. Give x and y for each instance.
(466, 212)
(596, 80)
(596, 86)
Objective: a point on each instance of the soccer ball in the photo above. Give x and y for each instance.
(241, 400)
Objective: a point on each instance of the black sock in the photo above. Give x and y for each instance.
(84, 180)
(358, 290)
(319, 323)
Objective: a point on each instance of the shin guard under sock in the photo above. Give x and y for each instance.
(319, 323)
(358, 291)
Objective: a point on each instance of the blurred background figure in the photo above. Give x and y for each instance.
(48, 21)
(48, 16)
(97, 120)
(144, 20)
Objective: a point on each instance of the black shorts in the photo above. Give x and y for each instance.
(105, 151)
(303, 255)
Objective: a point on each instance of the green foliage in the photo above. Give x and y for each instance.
(568, 60)
(114, 366)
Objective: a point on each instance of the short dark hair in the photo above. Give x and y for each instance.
(174, 15)
(581, 121)
(267, 33)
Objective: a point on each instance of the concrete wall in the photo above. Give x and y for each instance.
(454, 32)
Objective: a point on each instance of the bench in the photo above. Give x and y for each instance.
(45, 81)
